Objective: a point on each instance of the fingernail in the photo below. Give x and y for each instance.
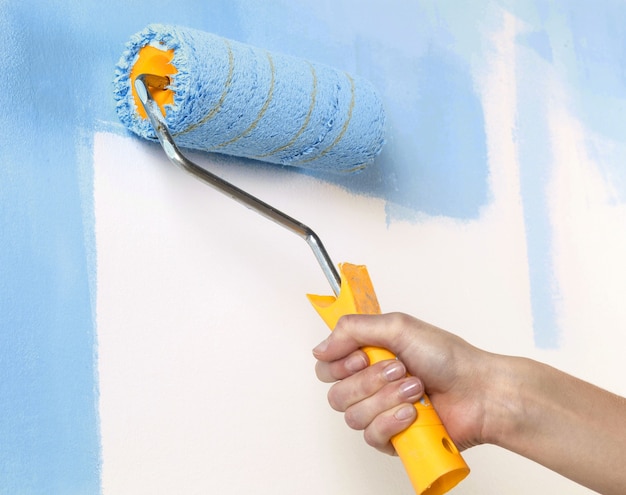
(321, 347)
(404, 413)
(410, 389)
(356, 363)
(394, 371)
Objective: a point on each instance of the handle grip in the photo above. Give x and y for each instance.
(431, 460)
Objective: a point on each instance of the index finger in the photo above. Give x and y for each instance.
(329, 372)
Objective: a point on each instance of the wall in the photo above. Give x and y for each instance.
(155, 337)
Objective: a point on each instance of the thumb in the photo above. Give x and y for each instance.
(355, 331)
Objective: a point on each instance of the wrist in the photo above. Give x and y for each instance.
(505, 407)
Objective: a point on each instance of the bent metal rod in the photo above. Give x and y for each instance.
(142, 82)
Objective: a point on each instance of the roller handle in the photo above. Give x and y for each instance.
(431, 460)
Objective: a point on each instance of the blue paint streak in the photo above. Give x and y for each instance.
(597, 70)
(444, 170)
(535, 159)
(48, 399)
(58, 61)
(535, 167)
(585, 45)
(435, 161)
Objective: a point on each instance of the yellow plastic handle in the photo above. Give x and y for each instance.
(432, 461)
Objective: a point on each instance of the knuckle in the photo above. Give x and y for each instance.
(334, 399)
(379, 432)
(400, 321)
(353, 420)
(346, 321)
(397, 318)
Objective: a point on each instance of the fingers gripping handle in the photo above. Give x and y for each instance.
(432, 461)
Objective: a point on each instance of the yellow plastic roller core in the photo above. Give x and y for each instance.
(153, 60)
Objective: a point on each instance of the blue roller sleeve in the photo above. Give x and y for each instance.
(244, 101)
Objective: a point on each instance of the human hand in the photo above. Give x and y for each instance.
(378, 399)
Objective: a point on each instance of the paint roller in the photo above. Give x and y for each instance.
(235, 99)
(191, 89)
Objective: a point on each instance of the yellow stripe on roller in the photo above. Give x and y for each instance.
(343, 129)
(268, 100)
(220, 103)
(307, 119)
(153, 60)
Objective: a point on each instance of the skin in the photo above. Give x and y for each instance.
(572, 427)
